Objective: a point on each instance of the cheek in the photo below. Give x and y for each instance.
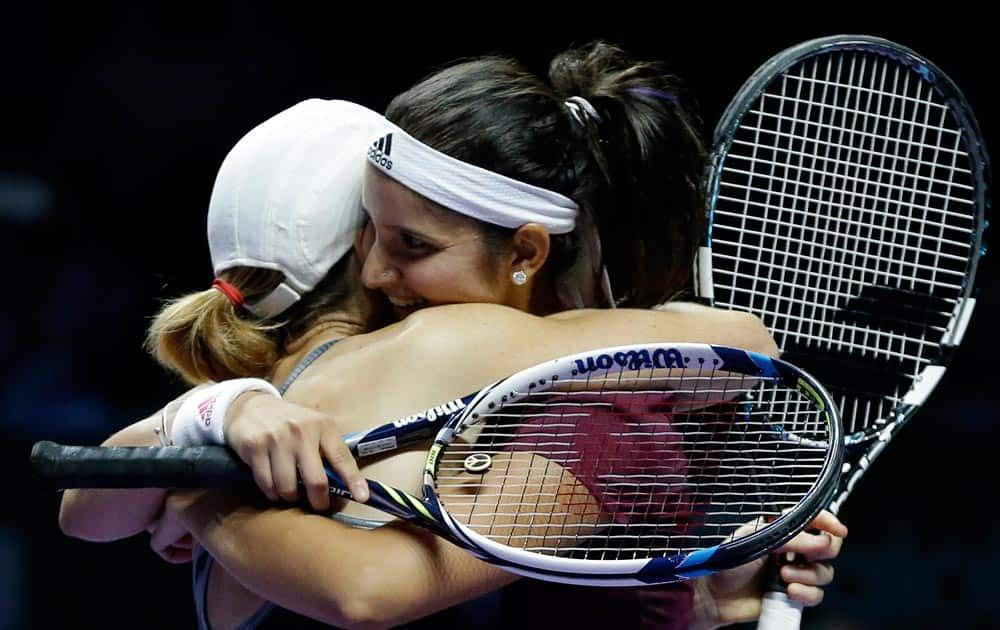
(456, 281)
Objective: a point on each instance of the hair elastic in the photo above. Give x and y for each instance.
(229, 291)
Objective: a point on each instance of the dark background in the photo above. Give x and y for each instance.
(114, 122)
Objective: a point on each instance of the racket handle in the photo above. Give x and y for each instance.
(60, 466)
(778, 611)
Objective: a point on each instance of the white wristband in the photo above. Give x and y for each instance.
(201, 417)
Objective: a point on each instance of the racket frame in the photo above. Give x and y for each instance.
(872, 439)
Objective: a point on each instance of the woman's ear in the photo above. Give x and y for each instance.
(531, 248)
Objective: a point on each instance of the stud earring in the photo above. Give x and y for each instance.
(519, 277)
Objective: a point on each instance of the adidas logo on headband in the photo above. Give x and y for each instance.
(380, 151)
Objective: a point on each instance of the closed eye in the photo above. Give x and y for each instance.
(413, 243)
(407, 246)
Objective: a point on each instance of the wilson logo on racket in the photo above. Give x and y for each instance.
(633, 360)
(431, 414)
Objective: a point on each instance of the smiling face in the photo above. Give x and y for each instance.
(420, 254)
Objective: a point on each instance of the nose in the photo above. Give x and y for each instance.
(377, 272)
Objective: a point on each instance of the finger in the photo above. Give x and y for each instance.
(163, 541)
(340, 459)
(260, 464)
(185, 542)
(315, 480)
(812, 574)
(831, 551)
(828, 522)
(162, 538)
(812, 547)
(175, 555)
(182, 555)
(807, 595)
(285, 475)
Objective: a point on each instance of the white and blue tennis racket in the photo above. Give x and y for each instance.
(847, 189)
(623, 466)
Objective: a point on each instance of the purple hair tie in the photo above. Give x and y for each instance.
(648, 91)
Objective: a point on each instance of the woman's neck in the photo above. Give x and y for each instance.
(329, 328)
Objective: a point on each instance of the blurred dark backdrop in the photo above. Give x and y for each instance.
(115, 120)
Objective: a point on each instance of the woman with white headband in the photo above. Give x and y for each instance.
(286, 308)
(492, 185)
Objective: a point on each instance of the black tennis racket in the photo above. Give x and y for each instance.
(622, 466)
(847, 190)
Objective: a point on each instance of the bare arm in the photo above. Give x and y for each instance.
(671, 322)
(457, 333)
(329, 571)
(105, 515)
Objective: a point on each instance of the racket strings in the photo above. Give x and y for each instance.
(664, 465)
(843, 218)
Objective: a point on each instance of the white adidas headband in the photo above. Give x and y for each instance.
(468, 189)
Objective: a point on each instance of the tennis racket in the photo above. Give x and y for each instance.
(625, 466)
(847, 191)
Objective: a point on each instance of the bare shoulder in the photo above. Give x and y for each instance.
(490, 340)
(507, 339)
(444, 323)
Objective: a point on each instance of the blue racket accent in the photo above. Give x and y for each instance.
(747, 362)
(699, 558)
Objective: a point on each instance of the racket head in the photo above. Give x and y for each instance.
(858, 246)
(631, 465)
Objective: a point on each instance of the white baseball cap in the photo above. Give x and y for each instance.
(288, 196)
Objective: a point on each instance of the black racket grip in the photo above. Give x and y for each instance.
(774, 582)
(59, 466)
(778, 611)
